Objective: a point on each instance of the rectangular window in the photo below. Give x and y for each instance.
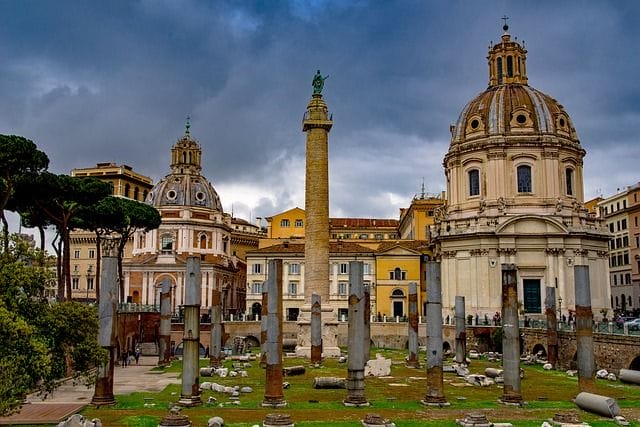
(90, 283)
(474, 182)
(625, 259)
(627, 278)
(624, 204)
(524, 179)
(293, 288)
(256, 268)
(624, 224)
(637, 241)
(256, 287)
(75, 283)
(298, 223)
(430, 213)
(379, 236)
(92, 253)
(532, 300)
(344, 268)
(569, 180)
(76, 254)
(611, 227)
(284, 223)
(363, 236)
(625, 241)
(342, 288)
(618, 242)
(294, 268)
(615, 279)
(366, 268)
(620, 260)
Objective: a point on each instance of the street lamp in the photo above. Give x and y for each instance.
(560, 309)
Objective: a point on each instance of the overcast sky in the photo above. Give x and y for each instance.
(112, 81)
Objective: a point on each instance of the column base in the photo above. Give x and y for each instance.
(273, 403)
(356, 403)
(190, 401)
(512, 400)
(98, 401)
(435, 401)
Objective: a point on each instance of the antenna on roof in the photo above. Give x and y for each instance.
(422, 193)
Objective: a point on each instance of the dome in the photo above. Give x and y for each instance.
(512, 109)
(184, 190)
(185, 186)
(509, 106)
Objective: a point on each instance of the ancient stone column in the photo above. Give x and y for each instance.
(552, 326)
(263, 325)
(412, 359)
(317, 123)
(273, 391)
(584, 331)
(164, 353)
(355, 361)
(511, 393)
(103, 394)
(190, 394)
(461, 331)
(215, 347)
(366, 348)
(316, 329)
(435, 384)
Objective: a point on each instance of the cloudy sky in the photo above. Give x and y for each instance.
(112, 81)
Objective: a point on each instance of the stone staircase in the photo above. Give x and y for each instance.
(149, 349)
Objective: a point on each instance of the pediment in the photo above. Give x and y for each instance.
(531, 225)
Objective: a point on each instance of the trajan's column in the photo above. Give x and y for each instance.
(317, 123)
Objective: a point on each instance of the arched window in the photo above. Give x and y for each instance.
(474, 182)
(509, 66)
(127, 189)
(184, 157)
(203, 241)
(568, 177)
(499, 71)
(144, 195)
(136, 192)
(397, 293)
(397, 273)
(524, 179)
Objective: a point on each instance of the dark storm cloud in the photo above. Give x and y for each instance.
(113, 81)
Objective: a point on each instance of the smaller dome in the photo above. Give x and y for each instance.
(184, 190)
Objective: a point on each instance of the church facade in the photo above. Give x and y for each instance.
(515, 195)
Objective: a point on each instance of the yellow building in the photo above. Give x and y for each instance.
(286, 225)
(290, 224)
(399, 263)
(125, 183)
(417, 220)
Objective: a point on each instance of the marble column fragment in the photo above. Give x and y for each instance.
(435, 382)
(511, 392)
(264, 310)
(103, 394)
(552, 325)
(316, 328)
(355, 361)
(215, 347)
(366, 347)
(164, 353)
(273, 390)
(584, 331)
(461, 331)
(190, 394)
(412, 359)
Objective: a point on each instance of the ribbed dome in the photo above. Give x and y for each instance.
(184, 190)
(184, 186)
(512, 109)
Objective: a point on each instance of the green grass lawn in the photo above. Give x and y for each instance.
(396, 397)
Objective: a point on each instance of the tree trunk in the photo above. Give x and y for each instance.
(66, 262)
(41, 230)
(57, 247)
(98, 264)
(5, 234)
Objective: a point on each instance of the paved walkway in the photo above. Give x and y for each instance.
(73, 397)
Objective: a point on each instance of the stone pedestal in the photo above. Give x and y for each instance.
(329, 333)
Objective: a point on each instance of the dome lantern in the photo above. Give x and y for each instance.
(507, 61)
(186, 154)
